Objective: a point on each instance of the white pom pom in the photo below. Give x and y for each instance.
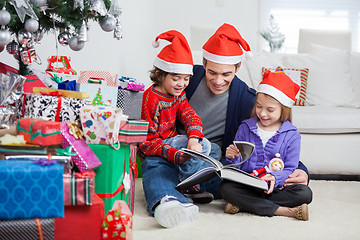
(248, 55)
(155, 44)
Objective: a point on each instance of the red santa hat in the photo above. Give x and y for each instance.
(175, 57)
(225, 46)
(279, 86)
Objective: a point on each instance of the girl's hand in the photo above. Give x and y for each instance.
(193, 144)
(232, 152)
(270, 179)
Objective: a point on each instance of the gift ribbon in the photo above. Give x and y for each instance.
(39, 228)
(55, 94)
(32, 134)
(111, 195)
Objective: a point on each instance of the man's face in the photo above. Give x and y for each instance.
(219, 76)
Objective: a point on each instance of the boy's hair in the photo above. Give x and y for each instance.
(157, 75)
(286, 112)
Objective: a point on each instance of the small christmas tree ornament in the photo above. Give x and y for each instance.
(118, 34)
(38, 36)
(97, 7)
(108, 23)
(28, 55)
(75, 44)
(64, 38)
(31, 25)
(22, 8)
(5, 37)
(12, 48)
(24, 37)
(115, 9)
(39, 3)
(83, 35)
(5, 17)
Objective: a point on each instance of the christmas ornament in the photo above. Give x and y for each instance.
(38, 3)
(64, 38)
(108, 23)
(24, 37)
(83, 36)
(5, 17)
(31, 25)
(22, 8)
(28, 55)
(79, 4)
(97, 7)
(75, 44)
(12, 47)
(38, 36)
(115, 9)
(118, 34)
(4, 37)
(2, 48)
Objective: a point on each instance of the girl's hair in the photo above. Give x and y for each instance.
(286, 112)
(157, 75)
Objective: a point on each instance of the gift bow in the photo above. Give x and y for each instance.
(74, 130)
(65, 151)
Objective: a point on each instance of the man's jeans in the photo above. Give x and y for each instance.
(160, 177)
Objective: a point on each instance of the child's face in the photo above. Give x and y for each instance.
(174, 84)
(269, 113)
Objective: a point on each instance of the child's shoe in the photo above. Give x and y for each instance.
(302, 212)
(171, 212)
(231, 209)
(198, 196)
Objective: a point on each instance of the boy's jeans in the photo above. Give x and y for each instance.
(160, 177)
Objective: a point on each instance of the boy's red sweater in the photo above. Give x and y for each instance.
(162, 111)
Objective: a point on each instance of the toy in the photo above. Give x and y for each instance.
(275, 165)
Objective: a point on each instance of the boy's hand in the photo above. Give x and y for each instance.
(193, 144)
(183, 157)
(269, 178)
(232, 152)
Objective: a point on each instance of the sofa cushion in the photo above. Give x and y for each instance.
(325, 119)
(299, 76)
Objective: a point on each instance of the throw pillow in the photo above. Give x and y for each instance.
(299, 76)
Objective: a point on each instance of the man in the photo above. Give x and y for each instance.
(221, 99)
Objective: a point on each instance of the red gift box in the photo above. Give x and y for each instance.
(79, 188)
(31, 82)
(39, 132)
(81, 222)
(118, 222)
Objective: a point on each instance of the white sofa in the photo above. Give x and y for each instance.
(329, 122)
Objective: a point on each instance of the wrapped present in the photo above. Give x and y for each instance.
(51, 106)
(85, 159)
(63, 93)
(4, 68)
(79, 188)
(130, 102)
(133, 131)
(114, 179)
(101, 124)
(39, 132)
(108, 93)
(31, 82)
(97, 77)
(118, 222)
(63, 160)
(81, 222)
(130, 84)
(64, 61)
(37, 228)
(30, 190)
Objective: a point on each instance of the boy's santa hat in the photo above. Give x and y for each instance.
(175, 57)
(226, 46)
(279, 86)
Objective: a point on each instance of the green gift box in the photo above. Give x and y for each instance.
(114, 179)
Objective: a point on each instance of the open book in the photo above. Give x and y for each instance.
(228, 172)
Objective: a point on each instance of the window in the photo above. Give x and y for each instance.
(291, 15)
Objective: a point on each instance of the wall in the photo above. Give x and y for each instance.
(142, 21)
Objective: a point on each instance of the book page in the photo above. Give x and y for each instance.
(246, 149)
(203, 157)
(198, 177)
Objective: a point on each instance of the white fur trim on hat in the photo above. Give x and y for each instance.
(221, 59)
(276, 93)
(179, 68)
(155, 44)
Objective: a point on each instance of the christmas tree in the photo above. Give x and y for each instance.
(273, 36)
(98, 99)
(28, 20)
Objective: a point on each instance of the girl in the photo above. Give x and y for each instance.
(274, 136)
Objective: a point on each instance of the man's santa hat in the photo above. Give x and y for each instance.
(226, 46)
(279, 86)
(175, 57)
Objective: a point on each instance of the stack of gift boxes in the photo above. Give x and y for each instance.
(74, 178)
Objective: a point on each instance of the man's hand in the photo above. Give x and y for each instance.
(299, 176)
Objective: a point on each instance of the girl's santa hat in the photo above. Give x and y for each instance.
(226, 46)
(279, 86)
(175, 57)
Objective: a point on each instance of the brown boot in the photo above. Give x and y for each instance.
(231, 209)
(302, 212)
